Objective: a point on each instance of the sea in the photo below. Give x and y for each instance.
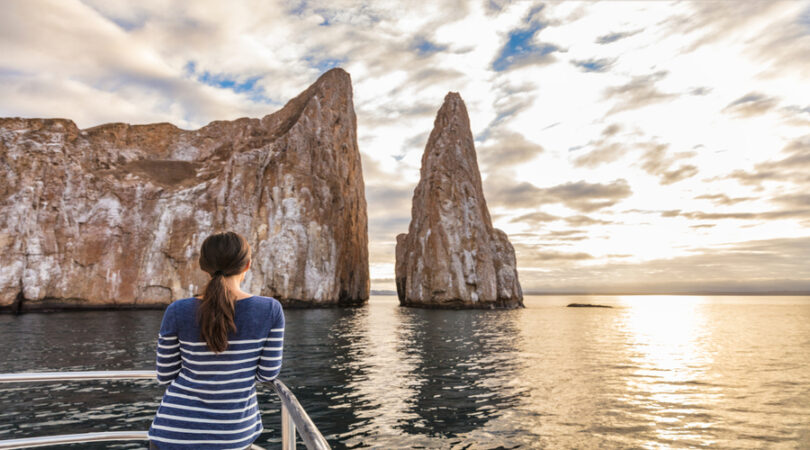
(651, 372)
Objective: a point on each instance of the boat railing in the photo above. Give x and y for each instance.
(293, 416)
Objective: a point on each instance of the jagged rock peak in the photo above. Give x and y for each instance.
(451, 256)
(115, 214)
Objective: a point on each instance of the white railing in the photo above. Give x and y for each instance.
(293, 415)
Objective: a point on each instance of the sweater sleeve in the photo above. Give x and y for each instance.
(270, 356)
(168, 348)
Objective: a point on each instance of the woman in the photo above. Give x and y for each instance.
(211, 351)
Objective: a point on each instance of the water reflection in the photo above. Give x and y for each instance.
(670, 386)
(328, 348)
(460, 360)
(99, 340)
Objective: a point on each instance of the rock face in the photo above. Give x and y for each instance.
(451, 256)
(116, 214)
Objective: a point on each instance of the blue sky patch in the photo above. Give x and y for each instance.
(520, 48)
(323, 64)
(299, 9)
(424, 47)
(593, 65)
(230, 82)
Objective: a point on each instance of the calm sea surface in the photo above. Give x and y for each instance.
(652, 372)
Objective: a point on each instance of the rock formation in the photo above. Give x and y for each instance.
(116, 214)
(451, 256)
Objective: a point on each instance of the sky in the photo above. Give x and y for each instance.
(624, 146)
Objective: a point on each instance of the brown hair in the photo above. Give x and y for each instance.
(222, 255)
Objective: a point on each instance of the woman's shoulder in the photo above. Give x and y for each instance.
(181, 303)
(272, 302)
(185, 301)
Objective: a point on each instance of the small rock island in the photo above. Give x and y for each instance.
(452, 256)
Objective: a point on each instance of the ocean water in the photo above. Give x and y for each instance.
(651, 372)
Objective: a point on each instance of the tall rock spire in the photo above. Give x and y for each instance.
(116, 214)
(451, 256)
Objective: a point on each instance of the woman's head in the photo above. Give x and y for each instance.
(222, 255)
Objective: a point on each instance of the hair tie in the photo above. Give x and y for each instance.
(219, 272)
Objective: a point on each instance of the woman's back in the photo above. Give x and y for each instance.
(211, 398)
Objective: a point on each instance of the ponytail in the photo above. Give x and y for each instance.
(216, 314)
(222, 255)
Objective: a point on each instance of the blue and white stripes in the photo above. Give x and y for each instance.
(210, 401)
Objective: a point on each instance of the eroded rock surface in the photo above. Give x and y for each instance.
(115, 214)
(452, 257)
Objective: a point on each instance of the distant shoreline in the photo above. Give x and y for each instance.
(53, 307)
(719, 294)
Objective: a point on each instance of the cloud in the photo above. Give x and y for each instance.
(701, 90)
(535, 219)
(397, 112)
(587, 197)
(506, 148)
(755, 266)
(580, 196)
(751, 104)
(640, 91)
(556, 256)
(681, 173)
(564, 235)
(801, 200)
(802, 212)
(782, 48)
(541, 257)
(511, 99)
(613, 37)
(502, 191)
(388, 199)
(723, 199)
(611, 130)
(388, 209)
(603, 150)
(602, 153)
(709, 22)
(100, 72)
(657, 160)
(796, 115)
(538, 256)
(580, 220)
(793, 168)
(416, 142)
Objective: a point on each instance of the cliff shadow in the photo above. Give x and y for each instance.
(462, 364)
(324, 354)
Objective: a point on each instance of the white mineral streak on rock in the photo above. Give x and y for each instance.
(451, 256)
(115, 214)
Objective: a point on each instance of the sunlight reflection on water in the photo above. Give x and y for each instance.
(667, 347)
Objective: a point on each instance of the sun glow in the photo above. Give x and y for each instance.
(667, 338)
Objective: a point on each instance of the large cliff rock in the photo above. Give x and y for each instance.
(451, 256)
(115, 214)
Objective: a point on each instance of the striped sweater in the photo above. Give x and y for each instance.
(210, 401)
